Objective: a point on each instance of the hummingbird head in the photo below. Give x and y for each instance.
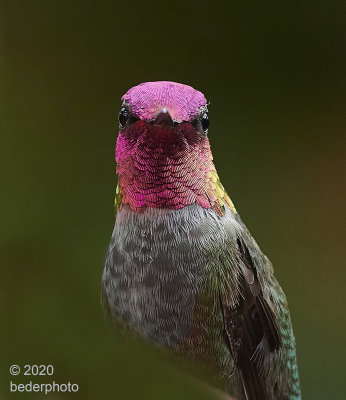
(168, 114)
(162, 153)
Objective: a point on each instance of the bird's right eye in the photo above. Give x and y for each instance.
(123, 116)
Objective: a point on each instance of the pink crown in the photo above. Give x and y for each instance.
(182, 101)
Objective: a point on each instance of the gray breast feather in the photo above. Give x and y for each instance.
(156, 264)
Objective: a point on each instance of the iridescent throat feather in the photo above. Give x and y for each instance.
(167, 167)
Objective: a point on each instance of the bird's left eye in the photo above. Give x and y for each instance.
(123, 116)
(205, 122)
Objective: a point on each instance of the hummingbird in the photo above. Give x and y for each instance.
(182, 271)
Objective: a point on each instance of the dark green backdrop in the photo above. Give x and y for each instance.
(273, 72)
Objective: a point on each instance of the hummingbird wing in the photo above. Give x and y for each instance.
(251, 328)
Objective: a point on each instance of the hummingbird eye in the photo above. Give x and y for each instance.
(123, 116)
(205, 122)
(201, 121)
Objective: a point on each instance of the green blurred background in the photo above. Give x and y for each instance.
(274, 73)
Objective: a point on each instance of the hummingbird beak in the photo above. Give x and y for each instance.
(163, 118)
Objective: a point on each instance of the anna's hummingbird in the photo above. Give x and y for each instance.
(182, 270)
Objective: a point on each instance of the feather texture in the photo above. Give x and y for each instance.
(252, 330)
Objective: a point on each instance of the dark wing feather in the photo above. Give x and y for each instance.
(252, 330)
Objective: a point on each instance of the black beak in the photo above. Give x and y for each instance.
(163, 118)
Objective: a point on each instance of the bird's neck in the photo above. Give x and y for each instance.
(152, 177)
